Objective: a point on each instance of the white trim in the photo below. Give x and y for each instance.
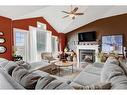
(86, 47)
(26, 43)
(40, 23)
(17, 29)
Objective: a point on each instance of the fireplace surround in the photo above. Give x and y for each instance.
(86, 56)
(86, 53)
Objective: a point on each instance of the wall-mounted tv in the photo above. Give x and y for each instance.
(112, 43)
(87, 36)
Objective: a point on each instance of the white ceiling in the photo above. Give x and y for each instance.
(54, 15)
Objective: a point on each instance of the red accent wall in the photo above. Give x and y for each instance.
(7, 25)
(6, 28)
(62, 41)
(25, 23)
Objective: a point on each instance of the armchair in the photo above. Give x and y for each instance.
(48, 56)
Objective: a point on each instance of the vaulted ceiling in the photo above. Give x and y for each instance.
(54, 15)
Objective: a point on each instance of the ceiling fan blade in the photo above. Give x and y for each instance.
(75, 9)
(79, 13)
(65, 12)
(65, 16)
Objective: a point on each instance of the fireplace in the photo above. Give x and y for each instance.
(86, 56)
(86, 53)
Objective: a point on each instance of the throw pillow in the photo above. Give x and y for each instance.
(112, 60)
(10, 67)
(124, 67)
(24, 64)
(20, 62)
(18, 73)
(43, 81)
(29, 80)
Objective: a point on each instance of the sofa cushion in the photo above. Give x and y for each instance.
(98, 86)
(53, 84)
(119, 82)
(92, 69)
(3, 62)
(29, 80)
(85, 78)
(124, 67)
(111, 69)
(10, 67)
(98, 65)
(76, 85)
(93, 86)
(18, 73)
(43, 82)
(64, 86)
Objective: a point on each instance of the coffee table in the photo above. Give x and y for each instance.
(60, 64)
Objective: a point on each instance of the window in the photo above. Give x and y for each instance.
(20, 39)
(41, 26)
(54, 44)
(41, 41)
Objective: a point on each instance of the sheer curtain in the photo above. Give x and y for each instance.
(43, 38)
(48, 43)
(33, 44)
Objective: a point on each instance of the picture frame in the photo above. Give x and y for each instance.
(3, 49)
(1, 33)
(2, 40)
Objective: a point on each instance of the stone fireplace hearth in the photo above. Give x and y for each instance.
(86, 53)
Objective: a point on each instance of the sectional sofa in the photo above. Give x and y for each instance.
(111, 75)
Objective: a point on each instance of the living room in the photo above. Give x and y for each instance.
(63, 47)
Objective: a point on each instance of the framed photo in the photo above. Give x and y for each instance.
(1, 33)
(2, 40)
(3, 49)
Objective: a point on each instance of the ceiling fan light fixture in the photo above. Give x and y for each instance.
(71, 15)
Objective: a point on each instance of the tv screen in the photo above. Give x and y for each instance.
(87, 36)
(112, 43)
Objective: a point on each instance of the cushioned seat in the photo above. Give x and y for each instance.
(85, 78)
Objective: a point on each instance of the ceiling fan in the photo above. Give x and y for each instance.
(73, 13)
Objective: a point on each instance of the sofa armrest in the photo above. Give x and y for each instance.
(61, 79)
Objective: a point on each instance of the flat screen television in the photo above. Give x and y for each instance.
(112, 43)
(87, 36)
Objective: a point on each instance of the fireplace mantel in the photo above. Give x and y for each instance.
(86, 47)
